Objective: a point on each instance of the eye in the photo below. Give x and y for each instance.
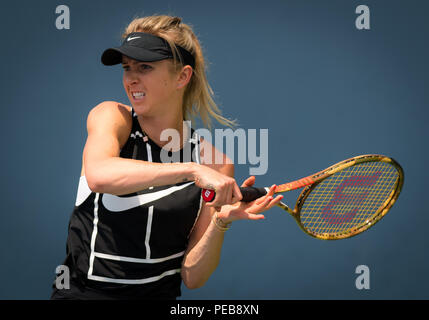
(144, 66)
(125, 67)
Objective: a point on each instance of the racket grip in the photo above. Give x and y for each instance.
(248, 193)
(252, 193)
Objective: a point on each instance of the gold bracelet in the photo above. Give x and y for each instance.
(218, 221)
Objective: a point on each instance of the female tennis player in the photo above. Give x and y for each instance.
(139, 226)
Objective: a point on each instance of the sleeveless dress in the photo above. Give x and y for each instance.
(132, 246)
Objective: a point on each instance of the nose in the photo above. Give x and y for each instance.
(130, 77)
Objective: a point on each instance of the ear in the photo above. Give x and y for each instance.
(184, 76)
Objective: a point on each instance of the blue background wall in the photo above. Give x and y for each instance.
(325, 90)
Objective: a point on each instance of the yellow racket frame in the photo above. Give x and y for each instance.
(312, 181)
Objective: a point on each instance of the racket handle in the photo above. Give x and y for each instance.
(248, 193)
(252, 193)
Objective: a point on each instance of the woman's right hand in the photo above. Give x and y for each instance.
(227, 190)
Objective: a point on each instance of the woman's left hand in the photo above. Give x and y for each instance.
(249, 210)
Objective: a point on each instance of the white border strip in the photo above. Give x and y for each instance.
(94, 235)
(148, 230)
(149, 152)
(134, 281)
(137, 260)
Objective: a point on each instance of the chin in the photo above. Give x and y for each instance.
(141, 110)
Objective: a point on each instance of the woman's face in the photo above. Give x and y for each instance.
(151, 86)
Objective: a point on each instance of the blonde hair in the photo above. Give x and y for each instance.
(198, 96)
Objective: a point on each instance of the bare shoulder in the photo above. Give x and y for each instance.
(215, 159)
(111, 110)
(110, 116)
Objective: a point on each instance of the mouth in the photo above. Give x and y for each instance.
(138, 95)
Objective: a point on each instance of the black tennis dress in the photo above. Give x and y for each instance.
(132, 246)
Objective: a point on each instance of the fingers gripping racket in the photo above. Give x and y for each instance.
(342, 200)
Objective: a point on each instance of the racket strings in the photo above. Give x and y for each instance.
(349, 198)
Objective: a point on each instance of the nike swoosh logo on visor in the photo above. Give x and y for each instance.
(116, 204)
(131, 38)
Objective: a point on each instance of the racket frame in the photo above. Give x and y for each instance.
(311, 182)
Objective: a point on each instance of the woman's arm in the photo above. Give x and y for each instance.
(109, 125)
(205, 243)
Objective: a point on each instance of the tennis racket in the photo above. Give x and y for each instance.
(342, 200)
